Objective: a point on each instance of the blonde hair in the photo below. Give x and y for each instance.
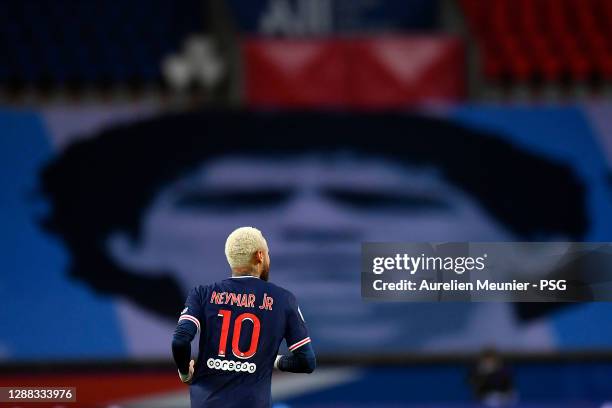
(241, 244)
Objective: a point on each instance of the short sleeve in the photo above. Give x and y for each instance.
(296, 333)
(194, 307)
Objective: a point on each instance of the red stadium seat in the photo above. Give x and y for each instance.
(551, 68)
(606, 64)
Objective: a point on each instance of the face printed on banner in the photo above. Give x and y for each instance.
(315, 210)
(310, 207)
(316, 195)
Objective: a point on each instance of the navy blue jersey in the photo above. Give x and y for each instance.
(242, 322)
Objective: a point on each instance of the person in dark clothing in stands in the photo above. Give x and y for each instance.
(491, 380)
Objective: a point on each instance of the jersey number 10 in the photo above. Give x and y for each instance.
(227, 315)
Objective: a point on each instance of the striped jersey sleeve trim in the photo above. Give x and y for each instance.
(191, 319)
(299, 344)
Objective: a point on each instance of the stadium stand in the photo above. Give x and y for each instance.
(69, 43)
(559, 41)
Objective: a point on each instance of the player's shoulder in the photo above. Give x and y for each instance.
(199, 291)
(281, 291)
(204, 292)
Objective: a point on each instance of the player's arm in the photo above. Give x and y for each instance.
(181, 349)
(186, 329)
(302, 358)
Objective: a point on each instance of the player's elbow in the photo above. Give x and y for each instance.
(179, 343)
(308, 359)
(183, 335)
(310, 365)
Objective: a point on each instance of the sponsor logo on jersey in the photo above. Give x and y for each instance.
(229, 365)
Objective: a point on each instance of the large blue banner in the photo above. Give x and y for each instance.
(111, 215)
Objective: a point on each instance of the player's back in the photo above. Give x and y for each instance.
(243, 321)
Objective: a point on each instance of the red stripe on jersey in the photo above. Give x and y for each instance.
(299, 344)
(191, 319)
